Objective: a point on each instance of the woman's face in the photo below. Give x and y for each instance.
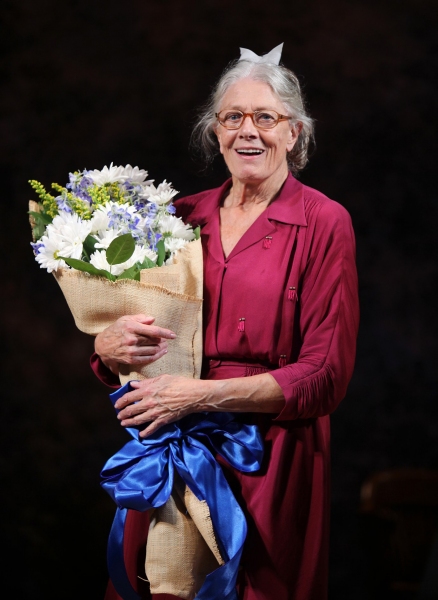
(247, 96)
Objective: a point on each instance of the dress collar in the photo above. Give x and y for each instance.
(288, 207)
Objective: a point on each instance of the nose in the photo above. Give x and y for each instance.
(248, 129)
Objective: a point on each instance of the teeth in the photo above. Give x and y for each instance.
(250, 151)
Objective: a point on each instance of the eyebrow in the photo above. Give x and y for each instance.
(237, 107)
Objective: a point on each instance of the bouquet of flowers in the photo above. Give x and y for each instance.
(115, 247)
(112, 223)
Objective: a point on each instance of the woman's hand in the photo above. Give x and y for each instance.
(132, 340)
(162, 400)
(165, 399)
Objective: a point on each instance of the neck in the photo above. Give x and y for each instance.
(245, 193)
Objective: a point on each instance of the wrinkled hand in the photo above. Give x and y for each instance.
(162, 400)
(132, 339)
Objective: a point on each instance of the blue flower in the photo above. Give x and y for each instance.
(62, 203)
(37, 246)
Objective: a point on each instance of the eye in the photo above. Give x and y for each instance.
(232, 117)
(266, 118)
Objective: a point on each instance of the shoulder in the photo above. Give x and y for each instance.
(197, 208)
(329, 225)
(191, 201)
(320, 208)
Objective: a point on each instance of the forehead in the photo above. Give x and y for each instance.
(248, 94)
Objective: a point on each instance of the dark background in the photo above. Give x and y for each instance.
(85, 84)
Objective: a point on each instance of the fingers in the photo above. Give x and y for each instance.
(135, 395)
(149, 351)
(142, 325)
(152, 331)
(154, 426)
(148, 320)
(151, 417)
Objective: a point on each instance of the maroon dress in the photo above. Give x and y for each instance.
(284, 301)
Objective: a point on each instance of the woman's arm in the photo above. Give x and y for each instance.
(314, 385)
(165, 399)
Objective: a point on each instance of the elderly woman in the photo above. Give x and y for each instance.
(280, 325)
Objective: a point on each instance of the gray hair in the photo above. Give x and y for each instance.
(283, 82)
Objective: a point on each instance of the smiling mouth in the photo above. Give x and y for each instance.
(249, 151)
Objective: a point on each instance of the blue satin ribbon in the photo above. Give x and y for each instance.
(140, 477)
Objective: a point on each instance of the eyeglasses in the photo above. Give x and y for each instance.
(262, 119)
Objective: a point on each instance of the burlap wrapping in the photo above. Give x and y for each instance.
(182, 547)
(174, 299)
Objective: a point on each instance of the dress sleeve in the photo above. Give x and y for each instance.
(328, 319)
(103, 373)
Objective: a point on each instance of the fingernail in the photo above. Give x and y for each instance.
(173, 335)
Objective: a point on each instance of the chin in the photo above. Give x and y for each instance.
(249, 174)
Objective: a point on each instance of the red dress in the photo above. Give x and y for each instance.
(285, 301)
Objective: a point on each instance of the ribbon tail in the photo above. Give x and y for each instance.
(116, 559)
(204, 476)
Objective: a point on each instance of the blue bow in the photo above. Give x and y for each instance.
(140, 477)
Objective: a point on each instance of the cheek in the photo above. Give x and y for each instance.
(291, 143)
(226, 140)
(219, 139)
(221, 146)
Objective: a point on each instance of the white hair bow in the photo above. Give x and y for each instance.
(272, 57)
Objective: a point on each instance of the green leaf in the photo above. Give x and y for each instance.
(146, 264)
(81, 265)
(197, 232)
(120, 249)
(89, 245)
(41, 217)
(131, 273)
(38, 231)
(41, 220)
(161, 252)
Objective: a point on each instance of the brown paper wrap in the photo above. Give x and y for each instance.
(172, 294)
(181, 548)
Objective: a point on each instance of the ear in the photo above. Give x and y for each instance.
(217, 131)
(294, 132)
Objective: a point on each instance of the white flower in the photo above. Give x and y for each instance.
(48, 253)
(104, 238)
(175, 227)
(107, 175)
(165, 187)
(98, 259)
(71, 230)
(163, 197)
(135, 175)
(174, 244)
(163, 194)
(99, 220)
(140, 253)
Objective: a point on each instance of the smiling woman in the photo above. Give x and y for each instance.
(254, 153)
(280, 325)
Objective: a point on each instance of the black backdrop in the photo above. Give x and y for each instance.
(84, 84)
